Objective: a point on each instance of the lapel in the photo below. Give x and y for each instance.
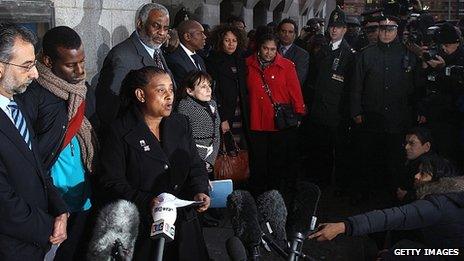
(141, 51)
(141, 139)
(189, 65)
(7, 127)
(165, 64)
(291, 52)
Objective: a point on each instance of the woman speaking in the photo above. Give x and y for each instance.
(148, 151)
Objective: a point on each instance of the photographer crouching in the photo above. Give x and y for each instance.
(442, 105)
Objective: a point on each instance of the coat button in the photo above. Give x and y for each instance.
(166, 167)
(386, 87)
(261, 97)
(386, 108)
(176, 187)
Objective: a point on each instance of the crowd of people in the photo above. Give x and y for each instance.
(362, 110)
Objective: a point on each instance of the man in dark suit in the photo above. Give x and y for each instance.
(141, 49)
(286, 31)
(185, 59)
(33, 214)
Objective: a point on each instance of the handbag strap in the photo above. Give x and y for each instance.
(267, 90)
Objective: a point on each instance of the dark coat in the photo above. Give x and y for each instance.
(229, 86)
(385, 75)
(29, 202)
(49, 116)
(300, 58)
(127, 55)
(438, 214)
(331, 95)
(180, 64)
(136, 167)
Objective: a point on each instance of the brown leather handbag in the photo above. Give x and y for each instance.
(232, 164)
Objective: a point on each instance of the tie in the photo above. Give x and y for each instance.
(157, 59)
(20, 122)
(197, 58)
(282, 50)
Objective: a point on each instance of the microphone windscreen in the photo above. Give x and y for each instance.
(244, 217)
(303, 207)
(271, 208)
(235, 249)
(116, 221)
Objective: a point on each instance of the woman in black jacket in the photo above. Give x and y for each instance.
(227, 68)
(148, 151)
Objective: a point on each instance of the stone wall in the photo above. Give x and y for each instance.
(101, 24)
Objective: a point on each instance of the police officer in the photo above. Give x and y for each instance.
(383, 79)
(443, 104)
(328, 117)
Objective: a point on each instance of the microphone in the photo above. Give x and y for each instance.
(164, 216)
(115, 232)
(242, 208)
(272, 215)
(235, 249)
(304, 217)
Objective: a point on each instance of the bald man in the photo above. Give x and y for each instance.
(185, 58)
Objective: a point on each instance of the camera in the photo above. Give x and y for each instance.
(454, 70)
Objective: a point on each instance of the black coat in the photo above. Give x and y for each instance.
(300, 58)
(385, 75)
(180, 64)
(331, 95)
(438, 215)
(135, 166)
(229, 86)
(29, 201)
(127, 55)
(49, 116)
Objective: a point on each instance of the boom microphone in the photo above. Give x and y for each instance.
(235, 249)
(242, 208)
(272, 212)
(115, 232)
(302, 214)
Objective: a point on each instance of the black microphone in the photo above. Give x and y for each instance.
(272, 215)
(115, 232)
(304, 219)
(244, 219)
(235, 249)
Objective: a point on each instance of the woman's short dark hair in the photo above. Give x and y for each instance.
(136, 79)
(220, 31)
(265, 38)
(192, 79)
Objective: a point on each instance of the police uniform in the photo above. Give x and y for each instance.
(328, 116)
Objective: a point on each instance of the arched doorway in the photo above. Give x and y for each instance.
(277, 13)
(259, 14)
(226, 10)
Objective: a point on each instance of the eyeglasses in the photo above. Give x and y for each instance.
(27, 67)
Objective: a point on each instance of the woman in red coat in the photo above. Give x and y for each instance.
(273, 151)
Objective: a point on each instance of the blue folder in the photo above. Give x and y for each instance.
(220, 189)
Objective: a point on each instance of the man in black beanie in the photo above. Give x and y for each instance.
(444, 91)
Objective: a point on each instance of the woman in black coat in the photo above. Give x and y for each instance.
(148, 151)
(227, 68)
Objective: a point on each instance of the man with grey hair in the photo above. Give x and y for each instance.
(33, 214)
(141, 49)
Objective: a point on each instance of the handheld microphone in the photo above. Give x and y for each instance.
(242, 208)
(235, 249)
(115, 232)
(272, 215)
(163, 230)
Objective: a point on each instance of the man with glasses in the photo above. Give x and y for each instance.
(141, 49)
(33, 214)
(383, 80)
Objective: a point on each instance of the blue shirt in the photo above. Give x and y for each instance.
(69, 177)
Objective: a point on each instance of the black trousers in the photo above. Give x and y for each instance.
(79, 232)
(328, 154)
(273, 160)
(379, 160)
